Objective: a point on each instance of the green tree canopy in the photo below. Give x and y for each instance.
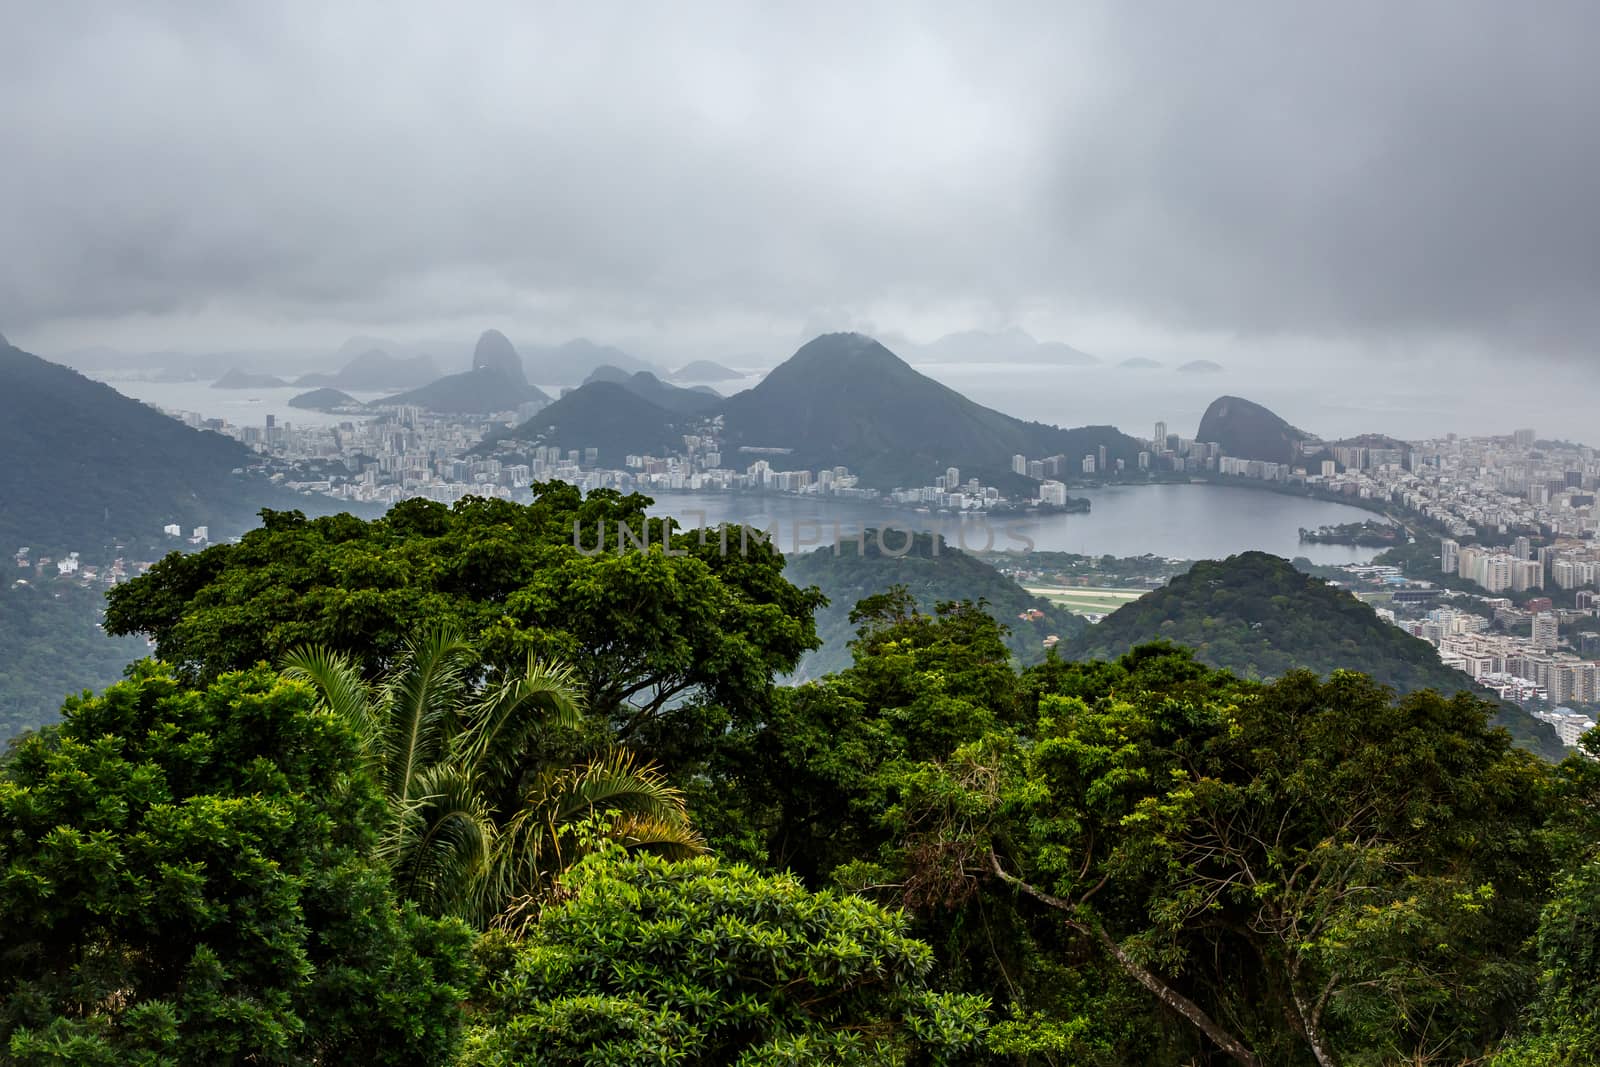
(185, 878)
(1561, 1027)
(1303, 871)
(650, 962)
(659, 640)
(812, 780)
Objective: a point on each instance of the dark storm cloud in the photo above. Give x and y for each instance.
(1334, 170)
(1405, 166)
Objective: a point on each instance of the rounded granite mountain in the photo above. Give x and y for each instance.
(1247, 430)
(496, 352)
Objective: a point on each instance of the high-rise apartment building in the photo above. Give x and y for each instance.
(1546, 629)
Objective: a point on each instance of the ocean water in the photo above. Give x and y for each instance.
(241, 407)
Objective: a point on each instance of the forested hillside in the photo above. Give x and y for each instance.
(51, 645)
(1257, 615)
(932, 572)
(85, 464)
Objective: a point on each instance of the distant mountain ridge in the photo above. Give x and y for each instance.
(495, 383)
(1258, 616)
(235, 378)
(570, 362)
(841, 399)
(1012, 345)
(480, 391)
(605, 415)
(647, 386)
(704, 370)
(376, 369)
(324, 399)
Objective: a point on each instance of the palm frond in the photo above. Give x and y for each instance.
(423, 695)
(345, 692)
(501, 727)
(611, 797)
(448, 752)
(612, 782)
(447, 843)
(667, 838)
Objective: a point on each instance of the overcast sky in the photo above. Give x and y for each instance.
(1365, 178)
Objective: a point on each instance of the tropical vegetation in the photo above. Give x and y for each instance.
(480, 811)
(452, 787)
(1257, 615)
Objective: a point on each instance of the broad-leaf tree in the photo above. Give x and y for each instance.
(1561, 1027)
(186, 877)
(650, 962)
(670, 641)
(1305, 870)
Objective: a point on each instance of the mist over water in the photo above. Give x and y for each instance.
(1469, 399)
(241, 407)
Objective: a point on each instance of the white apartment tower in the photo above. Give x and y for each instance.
(1546, 629)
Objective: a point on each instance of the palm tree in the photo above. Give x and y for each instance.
(475, 821)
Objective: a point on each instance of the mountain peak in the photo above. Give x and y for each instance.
(843, 353)
(495, 351)
(845, 399)
(845, 343)
(646, 385)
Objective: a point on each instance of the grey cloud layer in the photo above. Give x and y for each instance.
(1337, 169)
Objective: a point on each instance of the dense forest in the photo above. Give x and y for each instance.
(446, 787)
(51, 644)
(1258, 616)
(933, 571)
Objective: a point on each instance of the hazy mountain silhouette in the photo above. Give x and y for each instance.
(704, 370)
(376, 369)
(571, 362)
(846, 399)
(647, 386)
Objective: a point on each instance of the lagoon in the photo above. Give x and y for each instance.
(1181, 521)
